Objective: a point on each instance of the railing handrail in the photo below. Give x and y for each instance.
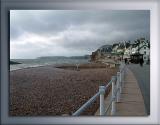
(93, 98)
(90, 101)
(85, 105)
(109, 83)
(122, 69)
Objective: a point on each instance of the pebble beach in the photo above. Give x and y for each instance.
(56, 90)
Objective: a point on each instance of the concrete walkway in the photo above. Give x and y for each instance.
(142, 74)
(131, 101)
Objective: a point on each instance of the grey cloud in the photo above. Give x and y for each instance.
(15, 32)
(56, 21)
(105, 26)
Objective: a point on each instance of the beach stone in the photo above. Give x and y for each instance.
(48, 91)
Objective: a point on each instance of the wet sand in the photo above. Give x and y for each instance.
(51, 91)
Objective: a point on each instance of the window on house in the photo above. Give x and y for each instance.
(145, 52)
(144, 57)
(144, 47)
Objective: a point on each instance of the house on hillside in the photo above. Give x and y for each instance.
(145, 51)
(134, 48)
(117, 51)
(101, 53)
(105, 50)
(120, 49)
(140, 49)
(134, 51)
(127, 50)
(114, 48)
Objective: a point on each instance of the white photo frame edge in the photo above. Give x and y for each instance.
(153, 6)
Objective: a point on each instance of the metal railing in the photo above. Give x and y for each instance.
(117, 84)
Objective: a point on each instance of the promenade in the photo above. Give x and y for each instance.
(142, 75)
(131, 99)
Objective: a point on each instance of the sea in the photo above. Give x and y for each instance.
(26, 63)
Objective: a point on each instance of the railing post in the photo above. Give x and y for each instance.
(118, 87)
(122, 76)
(102, 105)
(120, 81)
(113, 110)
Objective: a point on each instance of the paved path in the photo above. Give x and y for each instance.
(131, 101)
(142, 75)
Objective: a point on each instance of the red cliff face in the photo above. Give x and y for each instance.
(95, 56)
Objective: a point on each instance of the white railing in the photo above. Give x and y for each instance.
(117, 84)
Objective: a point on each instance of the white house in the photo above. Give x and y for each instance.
(114, 48)
(127, 50)
(142, 47)
(134, 49)
(145, 51)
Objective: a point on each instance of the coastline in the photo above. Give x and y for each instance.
(51, 91)
(31, 63)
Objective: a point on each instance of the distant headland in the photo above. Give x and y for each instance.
(14, 63)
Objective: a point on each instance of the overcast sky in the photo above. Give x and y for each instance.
(35, 33)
